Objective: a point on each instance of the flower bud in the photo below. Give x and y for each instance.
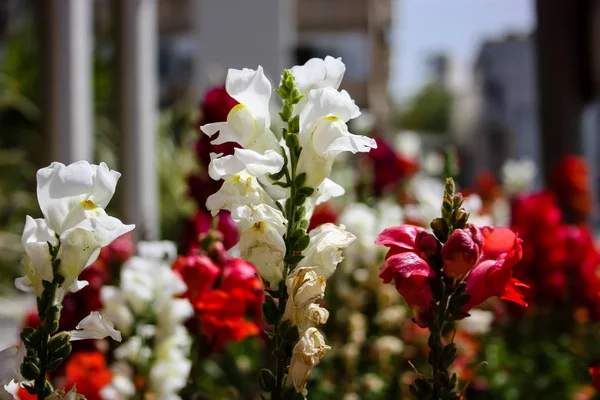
(30, 369)
(427, 243)
(461, 252)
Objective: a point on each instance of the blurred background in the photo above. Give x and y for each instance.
(121, 82)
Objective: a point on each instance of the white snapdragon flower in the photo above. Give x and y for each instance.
(261, 239)
(72, 199)
(95, 327)
(518, 176)
(324, 133)
(319, 73)
(10, 368)
(307, 353)
(241, 173)
(362, 220)
(324, 251)
(248, 123)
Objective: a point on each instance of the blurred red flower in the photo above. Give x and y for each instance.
(202, 222)
(389, 167)
(198, 272)
(595, 374)
(227, 299)
(323, 213)
(570, 183)
(88, 371)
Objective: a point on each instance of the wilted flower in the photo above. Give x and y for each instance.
(307, 353)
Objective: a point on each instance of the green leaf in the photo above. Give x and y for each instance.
(302, 243)
(300, 179)
(270, 311)
(294, 259)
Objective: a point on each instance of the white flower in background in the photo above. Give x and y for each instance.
(261, 239)
(95, 327)
(518, 176)
(319, 73)
(387, 346)
(10, 368)
(501, 212)
(248, 123)
(408, 145)
(364, 123)
(473, 205)
(171, 367)
(391, 318)
(361, 219)
(433, 164)
(116, 310)
(357, 327)
(163, 250)
(120, 388)
(307, 353)
(478, 323)
(150, 289)
(72, 199)
(324, 251)
(324, 133)
(373, 383)
(427, 192)
(389, 214)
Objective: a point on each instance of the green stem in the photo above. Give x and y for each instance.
(436, 363)
(48, 324)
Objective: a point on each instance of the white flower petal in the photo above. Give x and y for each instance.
(252, 89)
(319, 73)
(328, 189)
(62, 188)
(95, 327)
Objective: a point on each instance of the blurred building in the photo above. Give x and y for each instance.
(358, 31)
(505, 97)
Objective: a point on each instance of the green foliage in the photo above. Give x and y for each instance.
(428, 110)
(532, 359)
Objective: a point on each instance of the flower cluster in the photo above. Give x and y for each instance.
(58, 248)
(146, 308)
(443, 275)
(559, 259)
(226, 298)
(271, 187)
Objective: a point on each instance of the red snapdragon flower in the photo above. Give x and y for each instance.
(406, 264)
(227, 299)
(484, 257)
(88, 371)
(198, 272)
(492, 275)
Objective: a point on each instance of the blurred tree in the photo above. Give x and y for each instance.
(428, 110)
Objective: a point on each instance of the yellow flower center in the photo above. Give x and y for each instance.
(259, 226)
(88, 205)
